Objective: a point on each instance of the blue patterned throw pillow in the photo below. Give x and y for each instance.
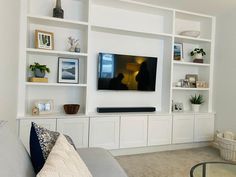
(41, 144)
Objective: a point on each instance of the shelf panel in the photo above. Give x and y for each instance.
(51, 21)
(55, 52)
(190, 89)
(180, 38)
(191, 64)
(129, 32)
(55, 84)
(54, 116)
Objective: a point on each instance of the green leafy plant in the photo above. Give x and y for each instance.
(42, 68)
(197, 99)
(197, 51)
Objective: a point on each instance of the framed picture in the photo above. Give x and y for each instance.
(201, 84)
(44, 106)
(192, 79)
(178, 51)
(178, 107)
(44, 40)
(68, 70)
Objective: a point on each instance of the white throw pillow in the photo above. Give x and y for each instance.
(64, 161)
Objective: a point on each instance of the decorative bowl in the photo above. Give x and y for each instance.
(71, 108)
(190, 33)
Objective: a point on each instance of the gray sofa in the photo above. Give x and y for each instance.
(15, 161)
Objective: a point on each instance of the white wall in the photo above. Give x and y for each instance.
(9, 27)
(225, 72)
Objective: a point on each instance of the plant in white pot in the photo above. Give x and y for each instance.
(197, 55)
(196, 102)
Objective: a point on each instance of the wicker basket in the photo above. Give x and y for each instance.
(227, 147)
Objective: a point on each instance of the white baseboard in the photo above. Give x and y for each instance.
(142, 150)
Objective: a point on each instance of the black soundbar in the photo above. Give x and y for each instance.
(125, 109)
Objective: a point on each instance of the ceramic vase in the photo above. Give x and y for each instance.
(58, 11)
(196, 107)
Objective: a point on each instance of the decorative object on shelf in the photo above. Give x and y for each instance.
(44, 106)
(192, 79)
(201, 84)
(68, 70)
(191, 33)
(197, 55)
(35, 111)
(71, 108)
(44, 40)
(39, 72)
(58, 12)
(74, 45)
(196, 102)
(178, 51)
(177, 107)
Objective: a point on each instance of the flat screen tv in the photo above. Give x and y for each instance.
(126, 72)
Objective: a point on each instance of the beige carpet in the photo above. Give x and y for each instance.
(167, 164)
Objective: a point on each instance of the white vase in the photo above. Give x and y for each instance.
(196, 107)
(198, 56)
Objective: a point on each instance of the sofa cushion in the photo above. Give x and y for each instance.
(41, 144)
(14, 159)
(64, 161)
(101, 163)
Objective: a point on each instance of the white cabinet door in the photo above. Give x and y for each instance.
(204, 127)
(183, 128)
(104, 132)
(133, 131)
(25, 126)
(76, 128)
(159, 130)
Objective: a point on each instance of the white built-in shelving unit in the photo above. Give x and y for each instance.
(123, 27)
(126, 27)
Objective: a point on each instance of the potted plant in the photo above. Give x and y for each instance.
(196, 101)
(198, 54)
(39, 70)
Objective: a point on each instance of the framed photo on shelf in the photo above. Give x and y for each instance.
(44, 106)
(192, 79)
(178, 107)
(178, 51)
(68, 70)
(44, 40)
(201, 84)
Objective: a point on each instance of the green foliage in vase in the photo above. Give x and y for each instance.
(197, 51)
(42, 68)
(197, 99)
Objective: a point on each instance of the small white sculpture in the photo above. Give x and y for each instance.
(73, 44)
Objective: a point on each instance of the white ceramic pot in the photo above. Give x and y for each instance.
(198, 56)
(196, 107)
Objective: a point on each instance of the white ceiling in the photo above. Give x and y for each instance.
(211, 7)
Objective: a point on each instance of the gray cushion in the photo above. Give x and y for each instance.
(14, 159)
(101, 163)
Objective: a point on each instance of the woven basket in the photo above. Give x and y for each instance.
(227, 147)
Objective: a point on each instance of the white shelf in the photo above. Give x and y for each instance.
(54, 116)
(55, 52)
(191, 63)
(193, 39)
(190, 89)
(127, 31)
(55, 84)
(51, 21)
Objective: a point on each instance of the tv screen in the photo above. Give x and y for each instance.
(126, 72)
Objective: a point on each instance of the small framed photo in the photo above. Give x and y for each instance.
(44, 40)
(178, 107)
(44, 106)
(192, 79)
(178, 51)
(201, 84)
(68, 70)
